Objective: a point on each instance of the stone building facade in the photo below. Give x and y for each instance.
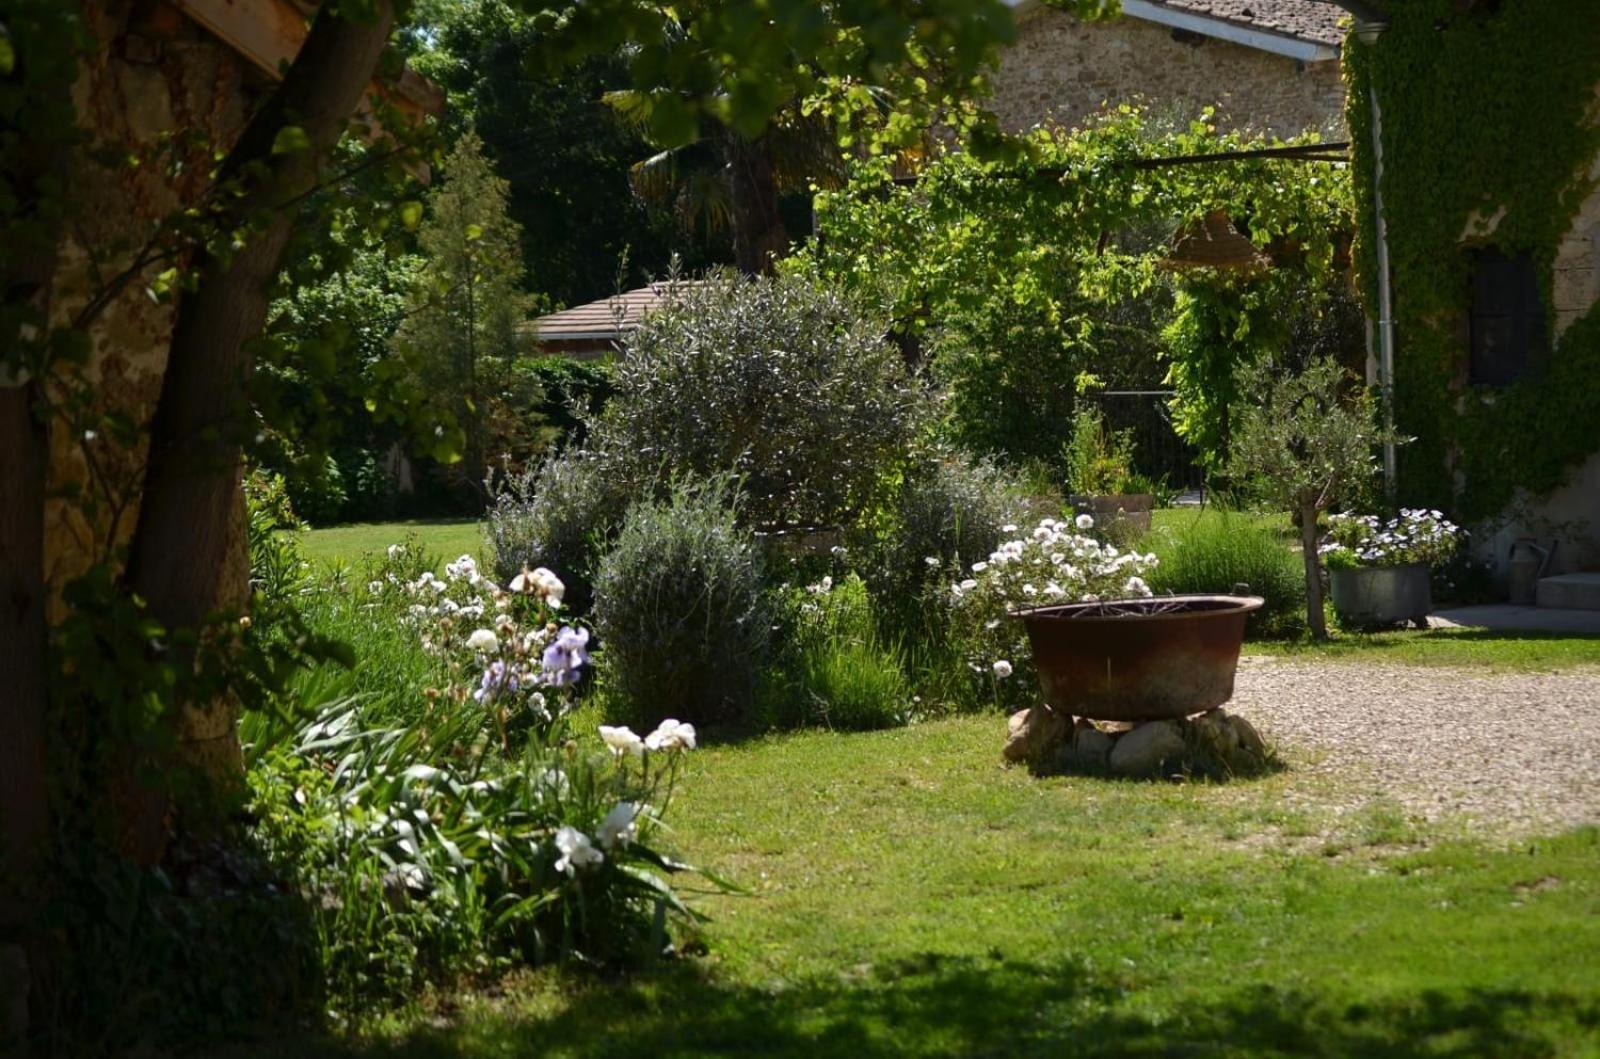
(1568, 517)
(1268, 65)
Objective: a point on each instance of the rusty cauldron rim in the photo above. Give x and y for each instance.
(1066, 612)
(1138, 666)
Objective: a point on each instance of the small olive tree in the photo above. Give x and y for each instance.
(1305, 443)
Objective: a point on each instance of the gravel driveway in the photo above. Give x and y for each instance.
(1514, 752)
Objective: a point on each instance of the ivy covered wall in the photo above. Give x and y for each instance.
(1491, 136)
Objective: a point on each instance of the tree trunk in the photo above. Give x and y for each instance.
(23, 794)
(27, 267)
(185, 559)
(759, 235)
(1315, 619)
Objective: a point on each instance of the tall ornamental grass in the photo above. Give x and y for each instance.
(1214, 552)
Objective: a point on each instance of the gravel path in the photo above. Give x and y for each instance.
(1515, 752)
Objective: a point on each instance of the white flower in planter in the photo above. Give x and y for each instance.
(483, 640)
(622, 740)
(577, 852)
(619, 827)
(671, 734)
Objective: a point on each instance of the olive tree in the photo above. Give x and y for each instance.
(1306, 442)
(781, 382)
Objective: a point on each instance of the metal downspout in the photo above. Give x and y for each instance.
(1369, 32)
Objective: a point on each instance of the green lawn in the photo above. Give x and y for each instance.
(910, 896)
(1176, 518)
(1481, 649)
(447, 538)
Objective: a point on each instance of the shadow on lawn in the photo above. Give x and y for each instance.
(973, 1006)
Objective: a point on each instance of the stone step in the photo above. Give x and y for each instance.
(1570, 591)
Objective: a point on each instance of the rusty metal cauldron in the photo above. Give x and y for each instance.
(1138, 659)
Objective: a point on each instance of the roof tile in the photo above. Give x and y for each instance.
(1308, 20)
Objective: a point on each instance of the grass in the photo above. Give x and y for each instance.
(1179, 519)
(447, 538)
(1212, 551)
(1482, 649)
(910, 896)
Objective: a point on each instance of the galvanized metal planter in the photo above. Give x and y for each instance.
(1138, 659)
(1381, 595)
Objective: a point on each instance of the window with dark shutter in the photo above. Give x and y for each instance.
(1509, 328)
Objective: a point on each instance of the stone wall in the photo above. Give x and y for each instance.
(1061, 70)
(1571, 514)
(162, 92)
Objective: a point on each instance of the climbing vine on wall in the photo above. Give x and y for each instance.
(1483, 111)
(1020, 275)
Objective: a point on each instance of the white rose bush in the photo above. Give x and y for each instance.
(1055, 562)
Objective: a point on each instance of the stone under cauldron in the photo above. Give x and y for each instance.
(1136, 687)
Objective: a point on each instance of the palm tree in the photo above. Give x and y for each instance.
(727, 183)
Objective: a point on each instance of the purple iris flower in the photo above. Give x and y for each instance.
(496, 679)
(563, 657)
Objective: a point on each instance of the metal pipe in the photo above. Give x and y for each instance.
(1369, 33)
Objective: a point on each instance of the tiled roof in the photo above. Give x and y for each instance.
(598, 320)
(1307, 20)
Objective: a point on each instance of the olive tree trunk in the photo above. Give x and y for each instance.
(187, 558)
(1315, 619)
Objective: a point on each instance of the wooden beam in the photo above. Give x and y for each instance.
(269, 33)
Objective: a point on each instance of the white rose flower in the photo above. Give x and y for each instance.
(483, 640)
